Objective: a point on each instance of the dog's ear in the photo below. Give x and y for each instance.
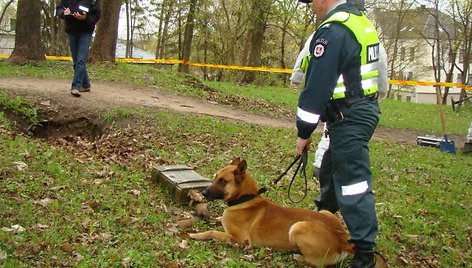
(241, 168)
(235, 161)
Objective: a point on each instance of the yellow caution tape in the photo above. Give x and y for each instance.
(425, 83)
(259, 69)
(170, 61)
(66, 58)
(244, 68)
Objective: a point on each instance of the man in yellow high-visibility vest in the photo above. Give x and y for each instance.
(341, 88)
(298, 73)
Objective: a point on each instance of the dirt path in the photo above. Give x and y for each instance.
(114, 95)
(54, 94)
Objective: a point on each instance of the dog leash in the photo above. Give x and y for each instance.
(302, 162)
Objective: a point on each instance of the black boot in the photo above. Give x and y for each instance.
(363, 259)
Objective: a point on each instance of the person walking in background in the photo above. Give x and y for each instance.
(80, 20)
(341, 87)
(301, 64)
(298, 73)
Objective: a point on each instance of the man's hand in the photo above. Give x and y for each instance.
(79, 16)
(382, 95)
(302, 144)
(294, 85)
(66, 11)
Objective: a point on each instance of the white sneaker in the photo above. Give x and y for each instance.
(75, 92)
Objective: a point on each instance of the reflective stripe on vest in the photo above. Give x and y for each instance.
(367, 37)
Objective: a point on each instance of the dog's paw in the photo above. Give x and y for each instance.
(198, 236)
(246, 245)
(299, 257)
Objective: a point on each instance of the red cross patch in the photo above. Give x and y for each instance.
(319, 50)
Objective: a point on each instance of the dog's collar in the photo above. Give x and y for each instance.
(246, 198)
(241, 200)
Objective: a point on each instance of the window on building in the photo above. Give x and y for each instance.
(402, 53)
(412, 53)
(410, 76)
(12, 24)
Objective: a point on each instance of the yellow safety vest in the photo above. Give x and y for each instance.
(366, 35)
(304, 63)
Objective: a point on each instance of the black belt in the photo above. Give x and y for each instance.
(333, 108)
(353, 98)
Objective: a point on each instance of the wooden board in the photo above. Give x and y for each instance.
(178, 180)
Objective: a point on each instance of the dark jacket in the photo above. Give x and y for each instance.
(74, 25)
(338, 54)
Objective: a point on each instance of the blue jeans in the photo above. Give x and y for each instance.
(79, 44)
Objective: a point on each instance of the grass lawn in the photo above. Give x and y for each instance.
(73, 202)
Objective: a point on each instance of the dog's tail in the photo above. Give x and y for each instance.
(347, 247)
(341, 233)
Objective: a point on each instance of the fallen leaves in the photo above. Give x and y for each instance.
(135, 192)
(67, 247)
(125, 147)
(58, 188)
(16, 228)
(46, 202)
(21, 166)
(184, 244)
(195, 196)
(126, 262)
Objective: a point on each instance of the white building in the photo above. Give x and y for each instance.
(7, 42)
(409, 38)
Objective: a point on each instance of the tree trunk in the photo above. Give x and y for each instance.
(179, 29)
(246, 49)
(104, 44)
(257, 31)
(133, 20)
(449, 78)
(282, 52)
(128, 28)
(167, 7)
(403, 6)
(53, 35)
(28, 33)
(188, 36)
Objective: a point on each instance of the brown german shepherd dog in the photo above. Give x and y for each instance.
(252, 220)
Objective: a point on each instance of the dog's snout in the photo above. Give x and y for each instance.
(212, 193)
(205, 193)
